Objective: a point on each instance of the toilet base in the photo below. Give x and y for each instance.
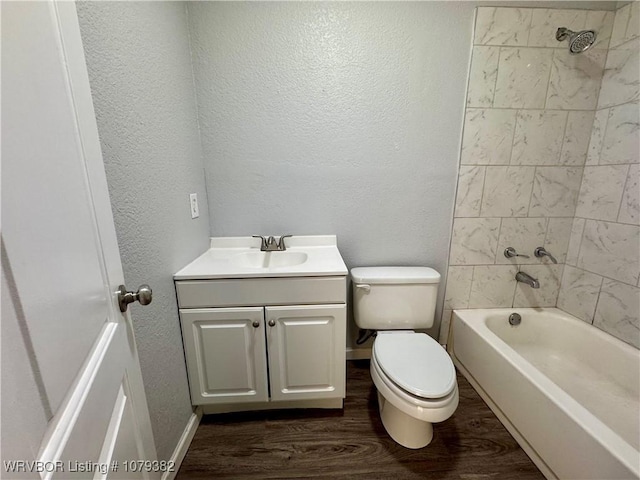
(404, 429)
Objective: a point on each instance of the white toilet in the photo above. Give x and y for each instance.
(414, 375)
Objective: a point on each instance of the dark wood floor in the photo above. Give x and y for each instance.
(352, 443)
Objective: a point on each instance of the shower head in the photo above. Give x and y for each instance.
(578, 41)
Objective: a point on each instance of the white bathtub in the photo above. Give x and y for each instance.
(568, 392)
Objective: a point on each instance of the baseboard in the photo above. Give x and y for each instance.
(256, 406)
(358, 353)
(183, 444)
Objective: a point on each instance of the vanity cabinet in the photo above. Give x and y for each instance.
(226, 354)
(290, 348)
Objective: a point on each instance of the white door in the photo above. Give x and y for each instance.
(306, 351)
(60, 255)
(226, 354)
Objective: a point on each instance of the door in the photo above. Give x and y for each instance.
(226, 356)
(306, 351)
(60, 260)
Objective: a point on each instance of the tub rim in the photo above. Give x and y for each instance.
(476, 319)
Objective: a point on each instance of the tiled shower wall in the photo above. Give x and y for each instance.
(602, 272)
(530, 110)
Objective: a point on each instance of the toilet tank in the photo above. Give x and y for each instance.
(394, 298)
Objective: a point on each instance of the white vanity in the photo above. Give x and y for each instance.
(263, 329)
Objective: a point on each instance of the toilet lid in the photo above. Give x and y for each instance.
(416, 363)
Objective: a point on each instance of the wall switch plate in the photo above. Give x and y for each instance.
(193, 201)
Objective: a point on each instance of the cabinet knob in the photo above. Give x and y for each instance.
(272, 323)
(255, 324)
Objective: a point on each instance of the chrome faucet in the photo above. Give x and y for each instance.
(270, 244)
(528, 279)
(541, 252)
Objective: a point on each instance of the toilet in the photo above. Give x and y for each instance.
(414, 376)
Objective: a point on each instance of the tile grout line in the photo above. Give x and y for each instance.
(495, 83)
(495, 257)
(513, 135)
(564, 137)
(544, 109)
(624, 188)
(546, 94)
(595, 308)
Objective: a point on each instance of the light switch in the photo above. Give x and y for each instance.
(193, 201)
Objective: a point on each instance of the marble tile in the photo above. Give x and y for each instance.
(620, 23)
(576, 138)
(575, 241)
(487, 138)
(557, 238)
(522, 77)
(458, 287)
(502, 26)
(597, 137)
(555, 191)
(443, 337)
(602, 23)
(538, 137)
(611, 250)
(579, 293)
(507, 191)
(493, 286)
(482, 76)
(618, 311)
(549, 277)
(523, 234)
(474, 241)
(469, 195)
(630, 208)
(633, 25)
(621, 77)
(575, 79)
(601, 192)
(621, 142)
(545, 23)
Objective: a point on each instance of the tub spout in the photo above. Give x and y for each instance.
(528, 279)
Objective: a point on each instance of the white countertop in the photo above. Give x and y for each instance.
(231, 257)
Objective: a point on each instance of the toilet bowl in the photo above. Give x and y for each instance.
(412, 396)
(414, 376)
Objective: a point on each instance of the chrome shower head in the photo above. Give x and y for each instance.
(578, 41)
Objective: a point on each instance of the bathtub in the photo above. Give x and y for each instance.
(567, 392)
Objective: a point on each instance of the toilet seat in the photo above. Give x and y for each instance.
(415, 363)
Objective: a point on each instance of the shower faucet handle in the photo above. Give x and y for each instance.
(510, 252)
(541, 252)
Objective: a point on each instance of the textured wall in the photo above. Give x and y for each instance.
(141, 79)
(602, 275)
(530, 107)
(340, 118)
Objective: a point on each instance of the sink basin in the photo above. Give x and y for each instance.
(240, 257)
(269, 259)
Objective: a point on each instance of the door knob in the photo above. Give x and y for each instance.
(143, 295)
(255, 324)
(272, 323)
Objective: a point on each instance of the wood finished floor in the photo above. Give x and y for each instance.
(352, 443)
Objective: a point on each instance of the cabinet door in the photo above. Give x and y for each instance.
(306, 346)
(225, 350)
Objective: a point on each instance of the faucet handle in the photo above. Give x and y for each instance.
(541, 252)
(280, 243)
(510, 252)
(263, 241)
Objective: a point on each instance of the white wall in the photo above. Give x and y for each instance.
(340, 118)
(140, 71)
